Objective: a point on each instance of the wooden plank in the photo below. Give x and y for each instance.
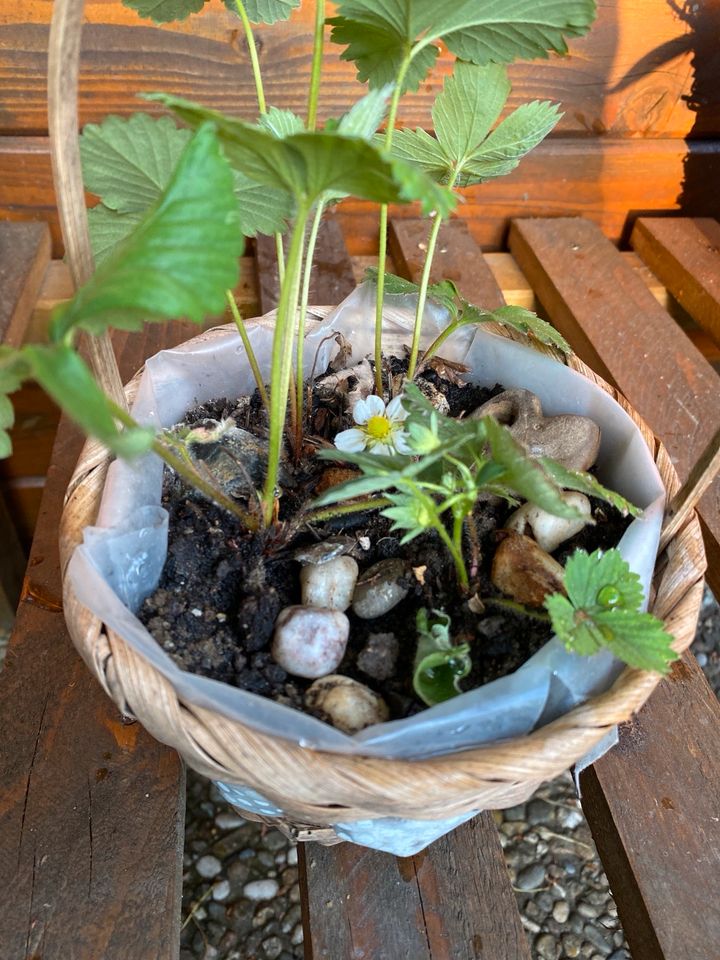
(457, 258)
(654, 810)
(333, 277)
(453, 901)
(91, 815)
(613, 322)
(631, 76)
(595, 179)
(684, 254)
(24, 258)
(12, 566)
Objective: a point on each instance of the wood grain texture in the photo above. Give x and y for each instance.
(91, 816)
(631, 76)
(457, 258)
(684, 254)
(24, 259)
(12, 566)
(614, 324)
(453, 901)
(596, 179)
(332, 280)
(653, 804)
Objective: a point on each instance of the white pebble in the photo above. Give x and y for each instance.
(292, 857)
(548, 530)
(297, 935)
(261, 889)
(561, 911)
(208, 867)
(229, 821)
(329, 585)
(221, 890)
(310, 641)
(346, 704)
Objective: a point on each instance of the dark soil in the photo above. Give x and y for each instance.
(222, 589)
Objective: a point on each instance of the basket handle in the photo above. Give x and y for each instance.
(63, 124)
(689, 494)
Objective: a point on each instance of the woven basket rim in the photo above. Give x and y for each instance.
(505, 769)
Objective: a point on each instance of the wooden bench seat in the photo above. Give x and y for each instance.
(92, 809)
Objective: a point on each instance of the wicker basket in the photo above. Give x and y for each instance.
(314, 788)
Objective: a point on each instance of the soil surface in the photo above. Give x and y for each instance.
(221, 590)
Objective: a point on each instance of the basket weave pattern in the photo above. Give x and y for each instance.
(316, 788)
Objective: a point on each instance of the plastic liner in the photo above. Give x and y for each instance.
(121, 558)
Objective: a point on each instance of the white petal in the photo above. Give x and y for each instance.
(395, 410)
(384, 448)
(372, 406)
(400, 439)
(352, 440)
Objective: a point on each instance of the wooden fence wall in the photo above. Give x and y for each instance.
(640, 94)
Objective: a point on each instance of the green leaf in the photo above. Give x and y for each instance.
(379, 34)
(178, 262)
(128, 163)
(517, 318)
(523, 474)
(588, 575)
(365, 116)
(13, 372)
(261, 209)
(165, 11)
(108, 229)
(265, 11)
(469, 104)
(508, 143)
(281, 123)
(602, 609)
(64, 376)
(310, 164)
(439, 666)
(422, 150)
(588, 484)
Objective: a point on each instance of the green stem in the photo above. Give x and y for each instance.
(252, 48)
(282, 354)
(440, 340)
(280, 254)
(327, 513)
(262, 107)
(185, 469)
(424, 283)
(316, 64)
(382, 251)
(455, 553)
(304, 298)
(516, 607)
(252, 359)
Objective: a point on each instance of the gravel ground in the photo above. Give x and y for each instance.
(242, 900)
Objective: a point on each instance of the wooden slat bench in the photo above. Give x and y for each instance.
(91, 811)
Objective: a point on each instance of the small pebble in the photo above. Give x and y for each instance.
(561, 911)
(619, 955)
(272, 947)
(531, 877)
(547, 947)
(261, 889)
(229, 821)
(329, 585)
(296, 936)
(379, 589)
(221, 890)
(571, 944)
(292, 857)
(208, 867)
(309, 641)
(346, 704)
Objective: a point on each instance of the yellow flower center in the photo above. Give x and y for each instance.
(379, 428)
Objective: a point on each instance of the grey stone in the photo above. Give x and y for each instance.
(621, 954)
(539, 811)
(221, 890)
(587, 910)
(531, 877)
(296, 936)
(229, 820)
(596, 938)
(571, 944)
(274, 840)
(379, 589)
(547, 947)
(272, 947)
(514, 813)
(379, 656)
(261, 889)
(208, 867)
(292, 856)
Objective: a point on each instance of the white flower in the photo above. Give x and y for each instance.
(379, 428)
